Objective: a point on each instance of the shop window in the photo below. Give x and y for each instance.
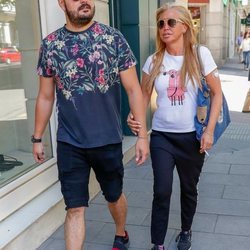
(19, 44)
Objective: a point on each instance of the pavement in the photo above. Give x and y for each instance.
(222, 220)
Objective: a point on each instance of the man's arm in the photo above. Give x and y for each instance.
(44, 106)
(134, 125)
(131, 84)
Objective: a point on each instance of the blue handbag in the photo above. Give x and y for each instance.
(203, 109)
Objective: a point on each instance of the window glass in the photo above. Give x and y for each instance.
(19, 44)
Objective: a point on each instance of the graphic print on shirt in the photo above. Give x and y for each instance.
(174, 91)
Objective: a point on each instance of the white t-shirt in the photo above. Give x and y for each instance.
(245, 44)
(176, 107)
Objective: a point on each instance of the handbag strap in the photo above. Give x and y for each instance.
(198, 53)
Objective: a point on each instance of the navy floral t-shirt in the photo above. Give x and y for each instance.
(85, 67)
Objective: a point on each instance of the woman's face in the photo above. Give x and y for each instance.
(171, 28)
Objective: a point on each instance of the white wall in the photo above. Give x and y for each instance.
(52, 17)
(217, 30)
(175, 2)
(215, 6)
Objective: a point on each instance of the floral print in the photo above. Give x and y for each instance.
(85, 61)
(85, 68)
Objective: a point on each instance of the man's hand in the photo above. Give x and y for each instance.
(38, 152)
(141, 150)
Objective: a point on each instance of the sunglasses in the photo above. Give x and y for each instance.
(171, 22)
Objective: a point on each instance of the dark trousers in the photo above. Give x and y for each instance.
(167, 151)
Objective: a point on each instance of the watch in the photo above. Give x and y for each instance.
(35, 140)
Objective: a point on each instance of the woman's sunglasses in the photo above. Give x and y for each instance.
(171, 22)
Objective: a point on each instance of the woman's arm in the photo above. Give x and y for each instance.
(214, 83)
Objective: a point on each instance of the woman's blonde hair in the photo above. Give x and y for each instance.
(190, 68)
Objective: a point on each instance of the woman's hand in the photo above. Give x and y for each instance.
(207, 140)
(213, 81)
(133, 125)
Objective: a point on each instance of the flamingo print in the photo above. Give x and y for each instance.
(174, 91)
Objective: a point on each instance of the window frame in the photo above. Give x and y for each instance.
(20, 191)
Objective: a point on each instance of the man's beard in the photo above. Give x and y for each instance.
(77, 19)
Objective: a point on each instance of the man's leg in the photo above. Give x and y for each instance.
(107, 164)
(108, 167)
(74, 172)
(75, 228)
(118, 211)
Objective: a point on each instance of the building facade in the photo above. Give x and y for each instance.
(217, 23)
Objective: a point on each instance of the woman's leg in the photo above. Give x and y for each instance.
(163, 165)
(189, 165)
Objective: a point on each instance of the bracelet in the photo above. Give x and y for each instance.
(142, 137)
(208, 133)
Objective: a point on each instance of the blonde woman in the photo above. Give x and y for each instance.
(174, 72)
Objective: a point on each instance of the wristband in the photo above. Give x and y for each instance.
(35, 140)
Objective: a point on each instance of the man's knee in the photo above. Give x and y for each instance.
(112, 191)
(75, 212)
(113, 197)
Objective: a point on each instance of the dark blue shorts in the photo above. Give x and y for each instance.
(74, 165)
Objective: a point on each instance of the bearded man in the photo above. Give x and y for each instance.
(85, 62)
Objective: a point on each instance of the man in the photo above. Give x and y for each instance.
(239, 40)
(85, 62)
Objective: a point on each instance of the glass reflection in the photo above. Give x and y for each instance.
(18, 88)
(9, 43)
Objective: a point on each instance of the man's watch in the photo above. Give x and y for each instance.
(35, 140)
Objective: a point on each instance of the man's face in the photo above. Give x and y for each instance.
(79, 12)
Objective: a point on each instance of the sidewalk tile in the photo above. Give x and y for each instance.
(140, 199)
(243, 169)
(220, 168)
(223, 207)
(225, 179)
(237, 193)
(53, 244)
(234, 225)
(137, 185)
(210, 190)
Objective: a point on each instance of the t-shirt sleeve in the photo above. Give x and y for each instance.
(208, 62)
(125, 55)
(44, 66)
(148, 65)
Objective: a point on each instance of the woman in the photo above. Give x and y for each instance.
(245, 48)
(174, 72)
